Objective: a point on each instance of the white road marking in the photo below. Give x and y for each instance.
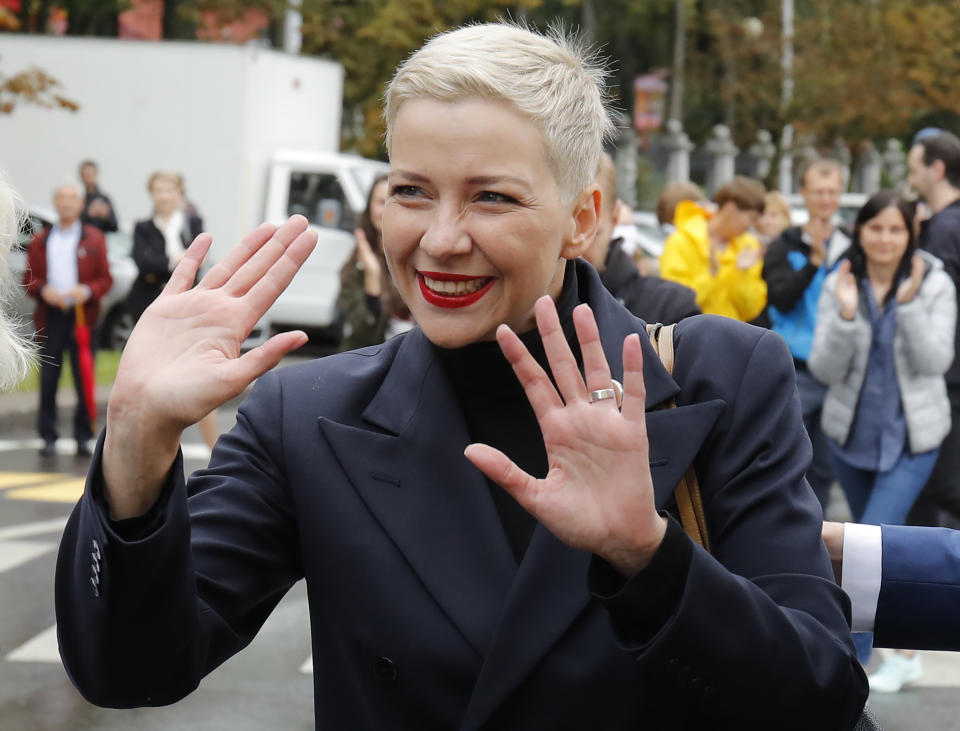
(41, 648)
(16, 553)
(191, 450)
(25, 530)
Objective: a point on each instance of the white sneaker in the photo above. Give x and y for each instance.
(896, 671)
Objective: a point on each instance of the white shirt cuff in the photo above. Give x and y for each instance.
(862, 571)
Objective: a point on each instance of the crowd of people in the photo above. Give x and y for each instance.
(68, 273)
(483, 498)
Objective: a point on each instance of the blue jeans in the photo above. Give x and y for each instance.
(882, 497)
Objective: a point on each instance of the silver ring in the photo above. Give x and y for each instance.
(602, 394)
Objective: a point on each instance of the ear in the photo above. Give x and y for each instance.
(583, 222)
(939, 169)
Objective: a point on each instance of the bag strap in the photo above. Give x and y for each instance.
(687, 491)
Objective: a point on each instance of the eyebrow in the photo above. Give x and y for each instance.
(473, 180)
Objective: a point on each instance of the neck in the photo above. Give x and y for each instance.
(882, 274)
(67, 222)
(942, 197)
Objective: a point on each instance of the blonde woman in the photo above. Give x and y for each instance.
(482, 549)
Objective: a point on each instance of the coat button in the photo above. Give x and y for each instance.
(385, 669)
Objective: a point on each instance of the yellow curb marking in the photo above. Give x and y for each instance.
(22, 479)
(67, 491)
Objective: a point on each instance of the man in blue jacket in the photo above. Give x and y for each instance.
(794, 268)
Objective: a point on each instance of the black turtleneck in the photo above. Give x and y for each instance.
(497, 412)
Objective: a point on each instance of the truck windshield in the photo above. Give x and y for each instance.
(319, 197)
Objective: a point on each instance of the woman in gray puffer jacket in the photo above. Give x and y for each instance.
(884, 338)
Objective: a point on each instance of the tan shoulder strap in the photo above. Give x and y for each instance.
(687, 492)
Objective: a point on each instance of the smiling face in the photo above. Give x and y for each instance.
(884, 238)
(821, 192)
(475, 228)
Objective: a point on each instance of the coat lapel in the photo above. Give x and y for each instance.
(425, 495)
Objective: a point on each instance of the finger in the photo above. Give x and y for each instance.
(235, 258)
(634, 388)
(563, 365)
(254, 363)
(498, 467)
(257, 266)
(275, 279)
(185, 273)
(536, 385)
(596, 370)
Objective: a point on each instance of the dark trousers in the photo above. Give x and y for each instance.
(59, 338)
(941, 494)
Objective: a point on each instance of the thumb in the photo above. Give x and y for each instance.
(255, 363)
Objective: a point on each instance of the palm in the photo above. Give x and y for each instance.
(183, 358)
(599, 474)
(598, 493)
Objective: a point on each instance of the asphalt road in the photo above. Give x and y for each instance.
(267, 686)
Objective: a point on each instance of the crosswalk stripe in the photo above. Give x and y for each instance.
(41, 648)
(25, 530)
(16, 553)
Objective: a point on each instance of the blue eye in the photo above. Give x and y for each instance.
(405, 191)
(489, 196)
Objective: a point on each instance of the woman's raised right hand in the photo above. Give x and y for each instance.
(183, 358)
(846, 291)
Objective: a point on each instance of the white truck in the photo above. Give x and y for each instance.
(254, 132)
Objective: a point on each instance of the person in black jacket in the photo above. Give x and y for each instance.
(650, 298)
(97, 207)
(794, 268)
(935, 175)
(159, 242)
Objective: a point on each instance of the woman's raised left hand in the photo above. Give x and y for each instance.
(598, 492)
(911, 285)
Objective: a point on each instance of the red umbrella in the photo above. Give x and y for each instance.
(85, 360)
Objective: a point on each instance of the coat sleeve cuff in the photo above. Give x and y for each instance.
(862, 568)
(640, 606)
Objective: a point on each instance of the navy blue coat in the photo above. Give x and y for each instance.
(920, 589)
(349, 472)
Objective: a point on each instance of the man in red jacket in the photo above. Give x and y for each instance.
(66, 266)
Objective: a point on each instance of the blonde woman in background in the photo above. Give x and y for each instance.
(15, 352)
(774, 219)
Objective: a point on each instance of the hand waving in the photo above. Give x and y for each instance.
(183, 358)
(598, 492)
(846, 291)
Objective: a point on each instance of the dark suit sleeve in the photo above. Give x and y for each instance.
(920, 589)
(149, 250)
(785, 285)
(760, 631)
(143, 617)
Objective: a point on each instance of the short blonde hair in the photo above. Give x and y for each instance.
(774, 201)
(552, 79)
(169, 176)
(15, 352)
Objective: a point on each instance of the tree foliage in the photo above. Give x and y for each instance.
(33, 86)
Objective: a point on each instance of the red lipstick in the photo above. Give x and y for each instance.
(451, 300)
